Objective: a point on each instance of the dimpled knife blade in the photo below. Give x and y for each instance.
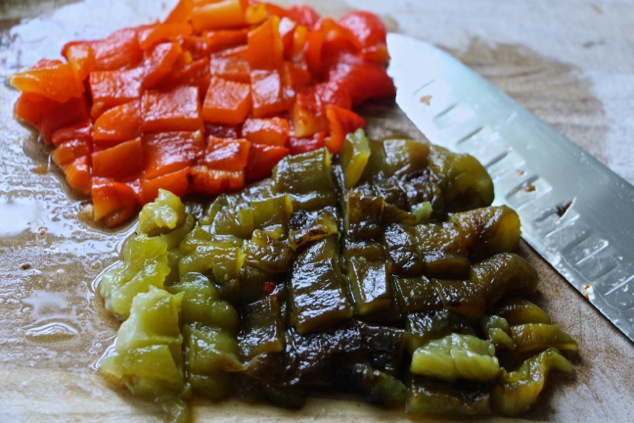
(575, 212)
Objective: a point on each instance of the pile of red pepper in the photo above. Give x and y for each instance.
(209, 99)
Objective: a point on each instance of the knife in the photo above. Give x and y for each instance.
(575, 212)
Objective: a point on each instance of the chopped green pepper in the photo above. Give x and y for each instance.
(519, 389)
(354, 156)
(457, 357)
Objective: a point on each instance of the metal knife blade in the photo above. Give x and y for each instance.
(575, 212)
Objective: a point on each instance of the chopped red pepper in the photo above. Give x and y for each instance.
(121, 123)
(226, 102)
(174, 110)
(159, 63)
(167, 152)
(112, 88)
(121, 162)
(227, 154)
(262, 160)
(213, 96)
(272, 131)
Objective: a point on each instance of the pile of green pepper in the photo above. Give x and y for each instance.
(386, 274)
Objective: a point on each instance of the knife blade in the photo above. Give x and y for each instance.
(575, 212)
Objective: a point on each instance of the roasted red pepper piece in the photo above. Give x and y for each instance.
(168, 152)
(52, 79)
(181, 13)
(231, 64)
(154, 34)
(122, 162)
(262, 160)
(304, 15)
(363, 80)
(81, 130)
(225, 38)
(174, 110)
(121, 123)
(214, 182)
(220, 14)
(265, 45)
(120, 50)
(68, 151)
(342, 121)
(226, 102)
(159, 63)
(176, 182)
(266, 90)
(81, 58)
(272, 131)
(78, 175)
(113, 202)
(227, 154)
(306, 144)
(112, 88)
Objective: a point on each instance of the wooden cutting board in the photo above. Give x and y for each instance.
(565, 61)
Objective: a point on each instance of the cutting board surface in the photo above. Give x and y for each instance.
(55, 327)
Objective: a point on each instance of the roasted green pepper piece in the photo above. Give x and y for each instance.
(392, 190)
(312, 361)
(417, 294)
(386, 345)
(519, 389)
(464, 297)
(324, 249)
(489, 230)
(262, 329)
(465, 182)
(237, 223)
(457, 357)
(310, 226)
(363, 215)
(211, 353)
(534, 337)
(174, 237)
(395, 157)
(505, 274)
(253, 283)
(373, 385)
(370, 286)
(429, 397)
(307, 178)
(210, 350)
(318, 299)
(498, 331)
(425, 187)
(267, 254)
(443, 249)
(272, 215)
(354, 156)
(375, 167)
(148, 357)
(369, 250)
(202, 303)
(220, 260)
(402, 247)
(403, 156)
(162, 215)
(424, 326)
(197, 295)
(144, 265)
(518, 311)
